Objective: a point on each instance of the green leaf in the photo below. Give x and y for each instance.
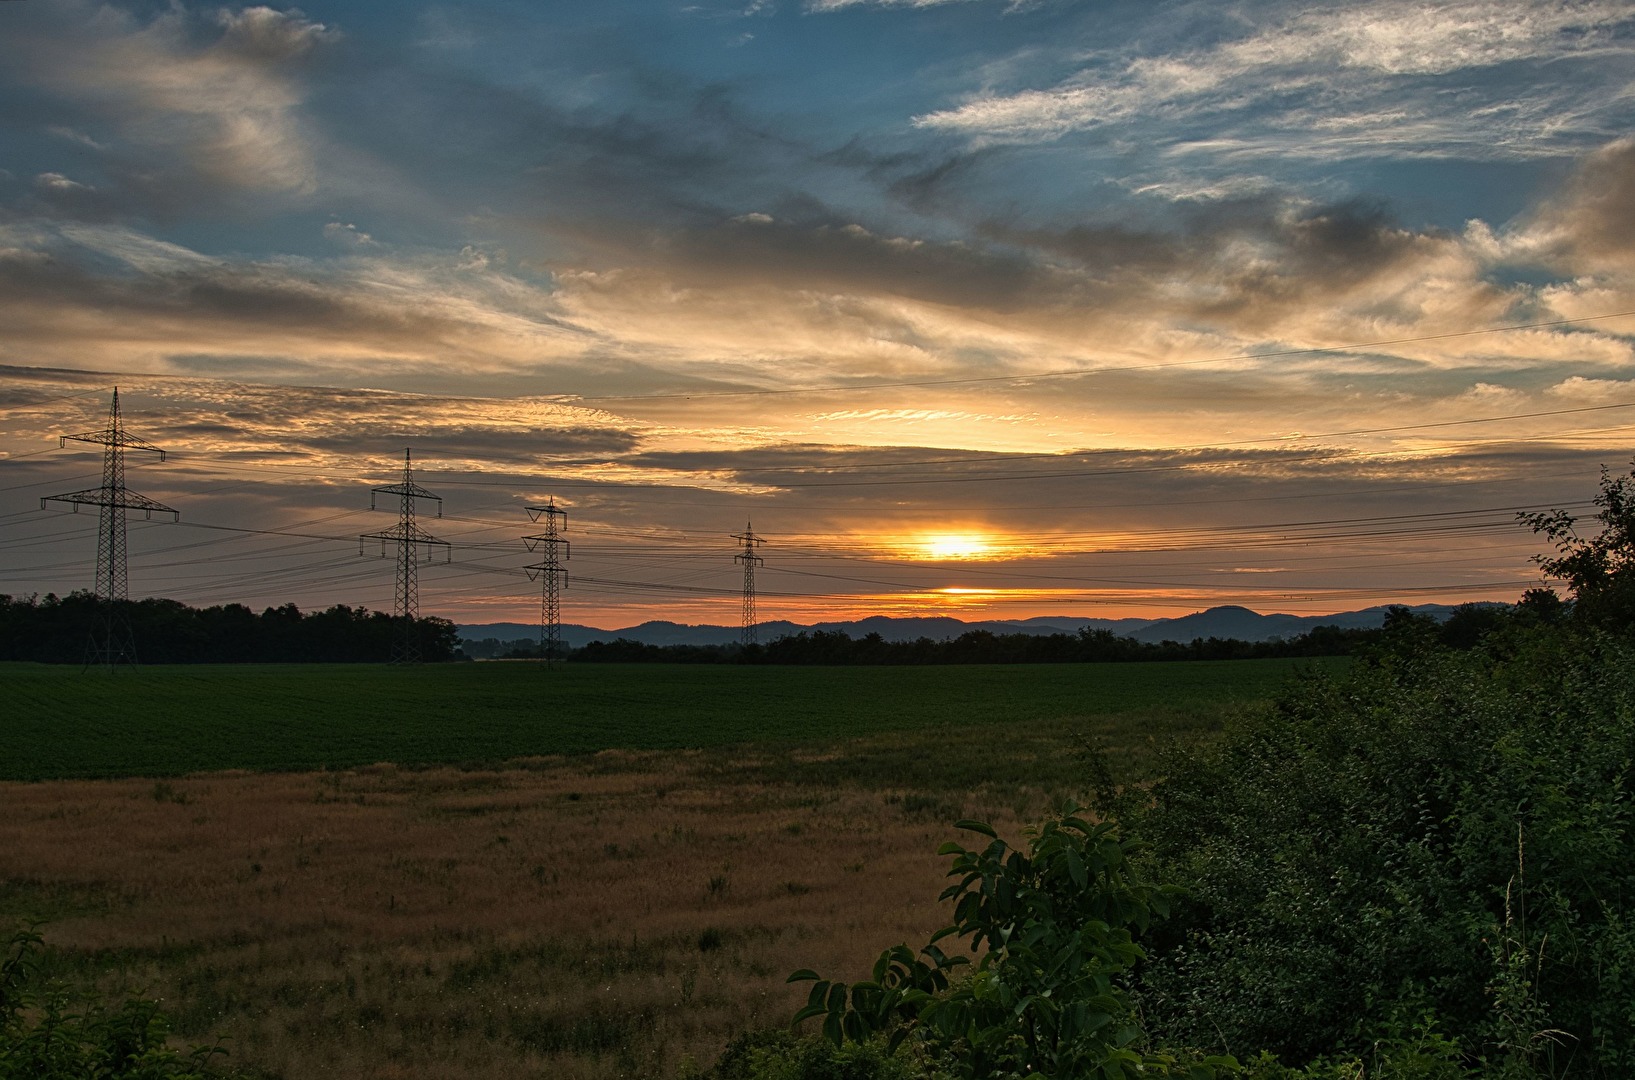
(976, 826)
(809, 1012)
(1075, 869)
(803, 975)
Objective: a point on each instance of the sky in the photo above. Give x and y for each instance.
(984, 308)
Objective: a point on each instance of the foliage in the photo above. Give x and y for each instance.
(782, 1055)
(837, 648)
(43, 1037)
(1054, 928)
(1443, 833)
(1599, 570)
(56, 630)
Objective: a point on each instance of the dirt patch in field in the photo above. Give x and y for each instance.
(610, 916)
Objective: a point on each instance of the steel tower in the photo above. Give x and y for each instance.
(409, 539)
(115, 644)
(553, 551)
(750, 560)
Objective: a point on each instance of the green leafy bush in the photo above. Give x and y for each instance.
(783, 1055)
(44, 1035)
(1440, 834)
(1054, 930)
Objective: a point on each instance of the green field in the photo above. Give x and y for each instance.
(61, 722)
(159, 721)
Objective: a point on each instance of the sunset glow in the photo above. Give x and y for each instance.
(954, 546)
(1085, 307)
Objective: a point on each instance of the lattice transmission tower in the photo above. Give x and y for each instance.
(750, 560)
(114, 642)
(410, 539)
(553, 552)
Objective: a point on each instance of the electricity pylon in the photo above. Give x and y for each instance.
(750, 560)
(116, 644)
(553, 551)
(409, 538)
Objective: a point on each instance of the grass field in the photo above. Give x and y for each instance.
(164, 721)
(585, 874)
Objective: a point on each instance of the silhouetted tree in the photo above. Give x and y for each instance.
(1599, 570)
(57, 631)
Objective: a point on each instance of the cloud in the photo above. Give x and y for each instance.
(1360, 80)
(839, 5)
(919, 416)
(58, 183)
(73, 136)
(347, 234)
(196, 103)
(1588, 226)
(110, 294)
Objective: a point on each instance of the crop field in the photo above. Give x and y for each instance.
(61, 722)
(586, 874)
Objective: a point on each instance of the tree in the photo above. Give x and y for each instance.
(1599, 570)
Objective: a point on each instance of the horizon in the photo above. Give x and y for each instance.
(1034, 618)
(971, 308)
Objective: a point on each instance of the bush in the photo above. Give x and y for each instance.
(44, 1035)
(1441, 834)
(1422, 871)
(783, 1055)
(1054, 929)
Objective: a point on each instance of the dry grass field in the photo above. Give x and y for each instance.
(617, 914)
(612, 916)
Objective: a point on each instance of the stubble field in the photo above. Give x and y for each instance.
(620, 913)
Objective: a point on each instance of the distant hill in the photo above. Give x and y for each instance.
(1247, 625)
(1221, 622)
(670, 633)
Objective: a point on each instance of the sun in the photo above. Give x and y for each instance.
(956, 546)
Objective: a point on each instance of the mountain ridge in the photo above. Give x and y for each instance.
(1226, 621)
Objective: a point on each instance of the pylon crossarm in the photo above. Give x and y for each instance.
(402, 496)
(410, 488)
(532, 543)
(119, 498)
(110, 437)
(404, 531)
(547, 568)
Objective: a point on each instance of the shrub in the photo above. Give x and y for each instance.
(1441, 834)
(783, 1055)
(44, 1035)
(1054, 929)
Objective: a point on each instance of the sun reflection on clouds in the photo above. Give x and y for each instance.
(958, 546)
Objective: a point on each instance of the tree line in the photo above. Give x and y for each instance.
(58, 630)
